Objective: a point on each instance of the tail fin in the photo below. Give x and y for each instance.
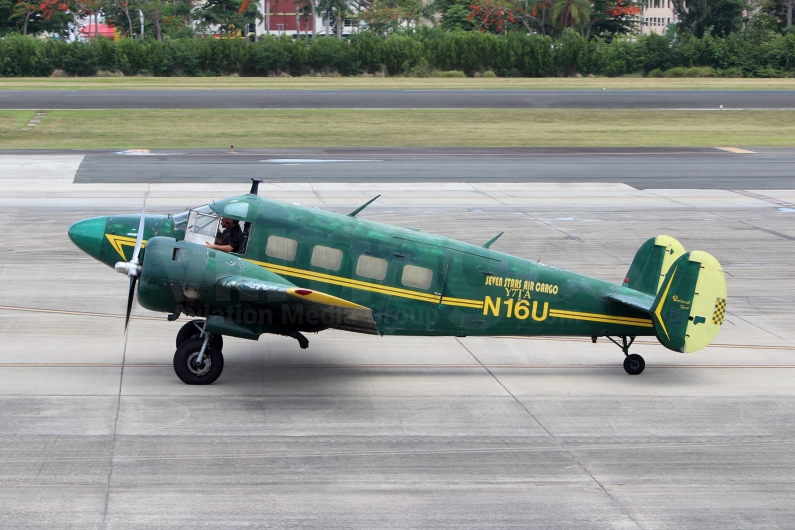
(652, 262)
(684, 293)
(689, 308)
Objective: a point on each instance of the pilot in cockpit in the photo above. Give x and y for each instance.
(231, 239)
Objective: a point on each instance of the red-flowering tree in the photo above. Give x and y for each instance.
(491, 15)
(604, 18)
(26, 9)
(497, 15)
(612, 17)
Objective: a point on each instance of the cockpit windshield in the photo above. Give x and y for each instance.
(180, 220)
(202, 225)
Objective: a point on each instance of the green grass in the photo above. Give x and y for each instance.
(393, 83)
(395, 128)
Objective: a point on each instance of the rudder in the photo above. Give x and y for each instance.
(690, 306)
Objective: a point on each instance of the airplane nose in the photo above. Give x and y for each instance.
(88, 235)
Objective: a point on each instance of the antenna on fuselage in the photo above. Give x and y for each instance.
(488, 243)
(363, 206)
(255, 186)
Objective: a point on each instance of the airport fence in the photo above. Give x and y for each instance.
(423, 53)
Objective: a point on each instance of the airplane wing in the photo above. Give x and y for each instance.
(303, 303)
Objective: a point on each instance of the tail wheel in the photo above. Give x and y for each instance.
(194, 329)
(634, 364)
(192, 372)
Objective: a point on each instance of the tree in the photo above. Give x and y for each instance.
(571, 13)
(715, 17)
(24, 10)
(612, 17)
(306, 12)
(339, 10)
(492, 15)
(35, 10)
(228, 15)
(455, 15)
(384, 16)
(117, 12)
(502, 15)
(154, 11)
(789, 5)
(89, 9)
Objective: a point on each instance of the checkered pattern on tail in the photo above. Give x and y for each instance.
(720, 311)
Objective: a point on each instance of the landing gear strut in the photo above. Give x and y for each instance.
(195, 329)
(633, 363)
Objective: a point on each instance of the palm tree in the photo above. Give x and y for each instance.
(568, 13)
(422, 11)
(338, 9)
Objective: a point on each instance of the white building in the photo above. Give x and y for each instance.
(657, 17)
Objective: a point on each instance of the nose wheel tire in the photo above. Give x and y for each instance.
(190, 371)
(194, 329)
(634, 364)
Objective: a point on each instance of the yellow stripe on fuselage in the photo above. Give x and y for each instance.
(462, 303)
(434, 298)
(595, 317)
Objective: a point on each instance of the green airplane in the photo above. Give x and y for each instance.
(303, 270)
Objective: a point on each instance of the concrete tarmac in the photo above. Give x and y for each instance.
(369, 432)
(396, 99)
(679, 168)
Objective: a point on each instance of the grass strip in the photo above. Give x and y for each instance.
(389, 83)
(125, 129)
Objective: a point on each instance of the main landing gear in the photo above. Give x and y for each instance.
(633, 363)
(198, 359)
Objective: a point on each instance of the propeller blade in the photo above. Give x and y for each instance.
(130, 297)
(140, 239)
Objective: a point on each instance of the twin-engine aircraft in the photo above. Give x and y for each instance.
(301, 270)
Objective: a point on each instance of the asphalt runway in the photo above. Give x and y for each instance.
(368, 432)
(396, 99)
(642, 168)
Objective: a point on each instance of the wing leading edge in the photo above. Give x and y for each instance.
(296, 302)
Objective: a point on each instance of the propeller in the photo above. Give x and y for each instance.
(132, 268)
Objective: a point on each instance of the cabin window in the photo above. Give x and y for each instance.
(327, 258)
(281, 248)
(418, 277)
(370, 267)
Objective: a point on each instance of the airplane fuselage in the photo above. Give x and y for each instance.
(414, 282)
(470, 290)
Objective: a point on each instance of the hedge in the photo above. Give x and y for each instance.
(420, 53)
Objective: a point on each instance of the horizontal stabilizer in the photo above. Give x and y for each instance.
(633, 299)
